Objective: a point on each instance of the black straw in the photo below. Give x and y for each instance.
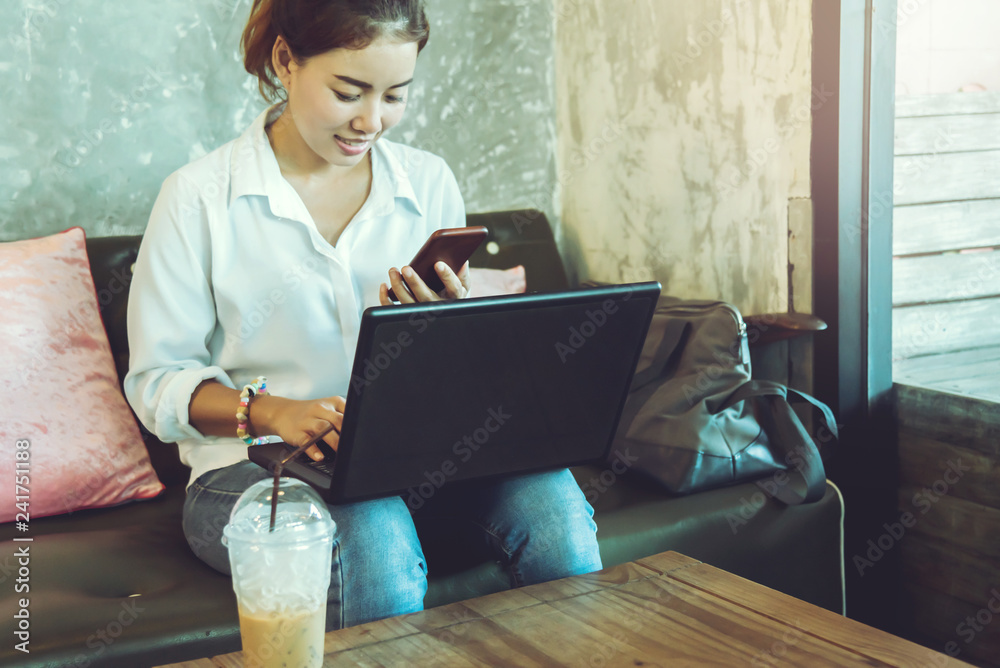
(281, 466)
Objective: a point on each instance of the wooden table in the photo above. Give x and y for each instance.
(665, 610)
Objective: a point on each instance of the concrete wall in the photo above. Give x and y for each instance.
(682, 140)
(102, 100)
(945, 46)
(684, 131)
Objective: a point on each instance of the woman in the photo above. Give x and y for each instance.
(258, 261)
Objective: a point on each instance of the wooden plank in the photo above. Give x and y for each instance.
(932, 228)
(380, 631)
(867, 642)
(944, 328)
(946, 177)
(945, 104)
(961, 421)
(960, 132)
(669, 609)
(666, 562)
(983, 387)
(945, 568)
(590, 582)
(945, 619)
(948, 277)
(962, 523)
(947, 470)
(948, 367)
(638, 623)
(682, 623)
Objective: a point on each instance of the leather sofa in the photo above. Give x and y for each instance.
(119, 586)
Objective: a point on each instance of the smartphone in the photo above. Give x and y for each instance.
(451, 245)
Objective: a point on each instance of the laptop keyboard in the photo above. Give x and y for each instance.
(324, 466)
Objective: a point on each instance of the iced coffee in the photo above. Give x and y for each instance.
(281, 575)
(282, 639)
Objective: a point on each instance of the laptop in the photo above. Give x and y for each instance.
(460, 390)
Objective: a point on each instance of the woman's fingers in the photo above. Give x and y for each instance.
(400, 286)
(464, 278)
(331, 414)
(383, 295)
(409, 287)
(418, 289)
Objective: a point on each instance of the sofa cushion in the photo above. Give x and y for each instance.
(496, 282)
(64, 410)
(120, 587)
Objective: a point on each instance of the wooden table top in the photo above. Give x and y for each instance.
(664, 610)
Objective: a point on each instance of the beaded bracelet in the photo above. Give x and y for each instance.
(258, 386)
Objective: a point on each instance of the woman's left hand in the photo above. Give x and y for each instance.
(409, 288)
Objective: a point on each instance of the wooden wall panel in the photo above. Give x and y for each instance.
(946, 177)
(948, 277)
(931, 134)
(944, 328)
(930, 463)
(962, 421)
(950, 555)
(958, 573)
(933, 228)
(940, 620)
(911, 106)
(952, 519)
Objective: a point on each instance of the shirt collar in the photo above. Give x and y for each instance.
(387, 164)
(254, 169)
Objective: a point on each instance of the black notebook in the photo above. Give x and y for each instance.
(449, 391)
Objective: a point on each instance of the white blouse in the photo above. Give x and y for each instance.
(234, 281)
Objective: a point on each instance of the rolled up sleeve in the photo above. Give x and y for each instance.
(172, 314)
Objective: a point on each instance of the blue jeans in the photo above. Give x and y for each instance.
(538, 526)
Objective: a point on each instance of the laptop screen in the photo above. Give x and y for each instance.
(491, 386)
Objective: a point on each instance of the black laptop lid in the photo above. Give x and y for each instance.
(482, 387)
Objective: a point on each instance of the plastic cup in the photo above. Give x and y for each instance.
(281, 577)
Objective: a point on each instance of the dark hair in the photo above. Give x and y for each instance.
(313, 27)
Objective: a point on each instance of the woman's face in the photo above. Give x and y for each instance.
(343, 100)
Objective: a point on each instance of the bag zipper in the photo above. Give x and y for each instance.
(741, 325)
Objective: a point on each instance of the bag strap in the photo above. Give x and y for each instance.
(675, 330)
(790, 440)
(763, 388)
(829, 421)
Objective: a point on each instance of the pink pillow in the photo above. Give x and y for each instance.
(62, 404)
(494, 282)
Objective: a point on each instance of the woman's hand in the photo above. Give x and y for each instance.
(410, 288)
(298, 422)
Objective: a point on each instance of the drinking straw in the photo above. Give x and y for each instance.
(281, 465)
